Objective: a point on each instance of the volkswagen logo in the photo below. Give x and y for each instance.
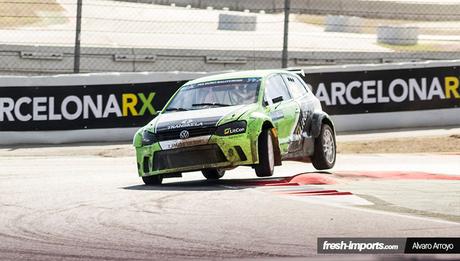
(184, 134)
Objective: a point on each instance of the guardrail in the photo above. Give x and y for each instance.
(111, 106)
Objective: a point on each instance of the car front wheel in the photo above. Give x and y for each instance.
(213, 174)
(266, 155)
(153, 180)
(325, 149)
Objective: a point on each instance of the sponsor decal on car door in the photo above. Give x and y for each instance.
(282, 109)
(300, 140)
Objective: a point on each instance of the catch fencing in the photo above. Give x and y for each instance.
(43, 37)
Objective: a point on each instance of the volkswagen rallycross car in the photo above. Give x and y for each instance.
(249, 118)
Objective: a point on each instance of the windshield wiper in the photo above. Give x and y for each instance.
(176, 109)
(211, 104)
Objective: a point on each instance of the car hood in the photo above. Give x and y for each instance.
(196, 118)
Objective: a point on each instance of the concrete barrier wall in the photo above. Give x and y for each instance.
(397, 120)
(103, 59)
(423, 113)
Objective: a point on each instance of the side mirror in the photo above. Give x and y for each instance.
(277, 99)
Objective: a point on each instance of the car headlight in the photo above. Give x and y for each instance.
(148, 138)
(231, 128)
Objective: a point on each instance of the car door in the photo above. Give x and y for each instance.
(304, 98)
(282, 109)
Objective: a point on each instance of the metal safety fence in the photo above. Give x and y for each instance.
(66, 36)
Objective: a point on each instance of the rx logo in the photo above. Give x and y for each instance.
(184, 134)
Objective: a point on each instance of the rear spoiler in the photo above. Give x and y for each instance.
(297, 71)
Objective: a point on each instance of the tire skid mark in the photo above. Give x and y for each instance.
(35, 253)
(19, 222)
(47, 238)
(88, 245)
(206, 244)
(200, 250)
(126, 227)
(159, 203)
(197, 248)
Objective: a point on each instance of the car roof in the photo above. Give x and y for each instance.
(235, 75)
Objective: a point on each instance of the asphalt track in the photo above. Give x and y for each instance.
(94, 207)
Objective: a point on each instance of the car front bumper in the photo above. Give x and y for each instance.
(196, 153)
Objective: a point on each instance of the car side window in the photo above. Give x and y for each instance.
(275, 88)
(295, 85)
(306, 85)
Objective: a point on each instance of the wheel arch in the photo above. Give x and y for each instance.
(318, 119)
(267, 125)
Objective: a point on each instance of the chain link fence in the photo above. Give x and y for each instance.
(40, 36)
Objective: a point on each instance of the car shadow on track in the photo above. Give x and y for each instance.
(310, 178)
(195, 185)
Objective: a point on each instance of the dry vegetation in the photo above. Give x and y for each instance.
(443, 144)
(17, 13)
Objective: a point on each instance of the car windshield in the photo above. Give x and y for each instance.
(215, 94)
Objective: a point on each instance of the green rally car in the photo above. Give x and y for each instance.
(249, 118)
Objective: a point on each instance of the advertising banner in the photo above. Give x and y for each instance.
(38, 108)
(82, 107)
(393, 90)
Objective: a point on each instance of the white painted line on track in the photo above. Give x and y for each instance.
(348, 207)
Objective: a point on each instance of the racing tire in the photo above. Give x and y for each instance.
(153, 180)
(266, 164)
(213, 174)
(325, 149)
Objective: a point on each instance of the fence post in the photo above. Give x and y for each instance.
(76, 65)
(287, 10)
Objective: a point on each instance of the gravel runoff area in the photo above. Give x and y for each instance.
(445, 140)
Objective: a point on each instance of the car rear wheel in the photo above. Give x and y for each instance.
(325, 149)
(213, 174)
(266, 155)
(153, 180)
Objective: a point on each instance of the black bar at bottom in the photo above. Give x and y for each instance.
(432, 245)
